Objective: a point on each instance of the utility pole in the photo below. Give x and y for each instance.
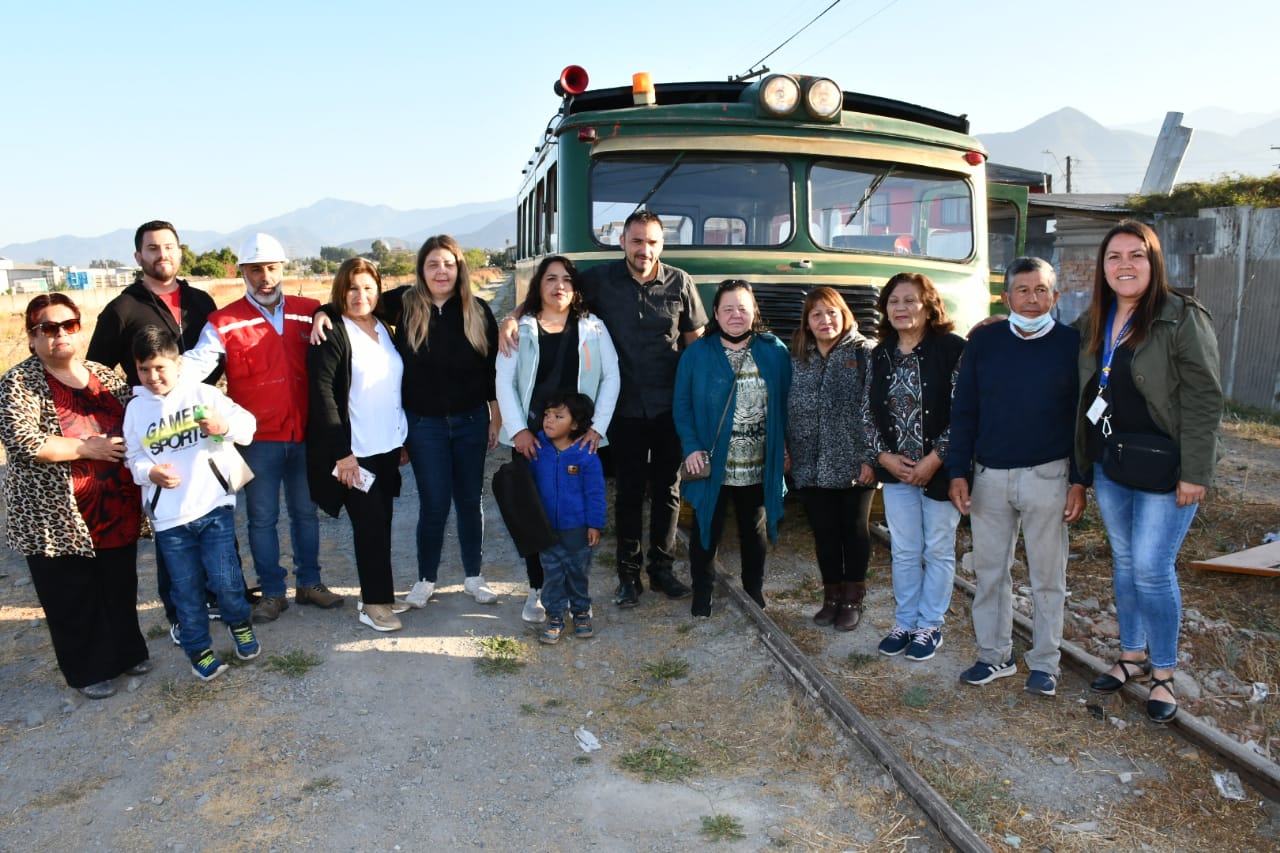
(1068, 173)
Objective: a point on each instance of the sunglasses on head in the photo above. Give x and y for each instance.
(50, 330)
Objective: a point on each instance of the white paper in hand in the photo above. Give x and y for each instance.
(366, 478)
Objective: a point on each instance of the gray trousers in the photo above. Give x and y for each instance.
(1034, 498)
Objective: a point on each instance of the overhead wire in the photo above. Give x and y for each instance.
(789, 38)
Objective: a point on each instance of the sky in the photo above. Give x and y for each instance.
(218, 115)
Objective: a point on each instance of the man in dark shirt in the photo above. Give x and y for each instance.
(157, 298)
(652, 311)
(1013, 418)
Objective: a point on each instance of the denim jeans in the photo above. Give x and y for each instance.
(922, 535)
(447, 455)
(565, 567)
(1146, 530)
(202, 554)
(277, 463)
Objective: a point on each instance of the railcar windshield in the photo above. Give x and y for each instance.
(884, 207)
(703, 199)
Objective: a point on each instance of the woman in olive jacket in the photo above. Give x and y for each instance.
(1149, 379)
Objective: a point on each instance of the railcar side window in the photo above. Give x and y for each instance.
(703, 199)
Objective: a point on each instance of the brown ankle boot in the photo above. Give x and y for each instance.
(850, 612)
(831, 594)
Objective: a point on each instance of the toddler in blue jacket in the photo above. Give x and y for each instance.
(570, 482)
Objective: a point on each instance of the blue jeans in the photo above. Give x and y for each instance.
(202, 554)
(447, 455)
(1146, 530)
(276, 463)
(922, 536)
(565, 568)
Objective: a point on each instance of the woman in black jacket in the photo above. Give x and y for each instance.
(908, 421)
(356, 431)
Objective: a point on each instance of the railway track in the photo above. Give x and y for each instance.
(1262, 775)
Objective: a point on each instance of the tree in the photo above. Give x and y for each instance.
(336, 253)
(320, 266)
(475, 258)
(379, 252)
(188, 260)
(219, 264)
(45, 262)
(400, 263)
(104, 264)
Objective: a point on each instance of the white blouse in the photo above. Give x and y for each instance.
(378, 423)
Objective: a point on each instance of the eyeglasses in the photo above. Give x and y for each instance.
(50, 330)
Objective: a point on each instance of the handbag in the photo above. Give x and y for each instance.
(521, 507)
(1140, 460)
(238, 471)
(705, 471)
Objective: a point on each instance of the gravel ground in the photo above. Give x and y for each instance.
(400, 742)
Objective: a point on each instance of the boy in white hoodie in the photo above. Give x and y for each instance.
(176, 443)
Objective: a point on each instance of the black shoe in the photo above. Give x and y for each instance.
(1161, 712)
(665, 581)
(1133, 670)
(629, 589)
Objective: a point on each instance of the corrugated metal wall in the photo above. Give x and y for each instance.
(1239, 282)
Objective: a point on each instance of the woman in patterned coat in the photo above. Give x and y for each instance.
(73, 508)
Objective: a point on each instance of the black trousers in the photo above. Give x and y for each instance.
(647, 456)
(91, 607)
(753, 542)
(370, 515)
(841, 533)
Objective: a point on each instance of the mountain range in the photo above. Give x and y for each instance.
(328, 222)
(1103, 160)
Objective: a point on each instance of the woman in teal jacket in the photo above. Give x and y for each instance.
(730, 410)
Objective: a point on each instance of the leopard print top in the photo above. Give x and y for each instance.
(43, 519)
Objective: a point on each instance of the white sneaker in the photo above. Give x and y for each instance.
(417, 597)
(479, 590)
(379, 617)
(533, 609)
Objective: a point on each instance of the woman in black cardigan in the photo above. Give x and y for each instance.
(357, 428)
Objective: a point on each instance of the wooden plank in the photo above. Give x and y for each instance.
(1260, 560)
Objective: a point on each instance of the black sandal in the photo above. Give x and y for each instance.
(1108, 683)
(1162, 712)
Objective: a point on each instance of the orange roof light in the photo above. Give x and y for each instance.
(642, 89)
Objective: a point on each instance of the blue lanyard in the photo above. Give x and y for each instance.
(1109, 349)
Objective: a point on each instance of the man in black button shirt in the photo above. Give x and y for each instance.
(652, 311)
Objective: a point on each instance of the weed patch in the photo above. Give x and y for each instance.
(500, 655)
(722, 827)
(657, 763)
(294, 663)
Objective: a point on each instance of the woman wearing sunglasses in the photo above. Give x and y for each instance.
(73, 508)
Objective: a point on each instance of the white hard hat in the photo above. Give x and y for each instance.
(261, 249)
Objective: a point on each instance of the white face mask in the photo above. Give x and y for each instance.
(1030, 325)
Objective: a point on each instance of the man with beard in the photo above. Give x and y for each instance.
(652, 312)
(157, 298)
(264, 339)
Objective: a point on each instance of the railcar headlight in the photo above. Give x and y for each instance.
(823, 99)
(779, 95)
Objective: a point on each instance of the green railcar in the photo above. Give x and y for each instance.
(786, 181)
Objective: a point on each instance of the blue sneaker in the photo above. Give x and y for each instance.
(207, 666)
(924, 642)
(582, 626)
(551, 633)
(1042, 683)
(247, 646)
(985, 673)
(897, 641)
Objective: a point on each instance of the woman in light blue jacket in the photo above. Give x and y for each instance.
(562, 348)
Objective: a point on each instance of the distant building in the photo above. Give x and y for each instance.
(78, 278)
(25, 278)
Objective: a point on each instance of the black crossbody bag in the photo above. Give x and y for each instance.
(1141, 460)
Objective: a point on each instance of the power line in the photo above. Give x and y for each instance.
(751, 71)
(849, 31)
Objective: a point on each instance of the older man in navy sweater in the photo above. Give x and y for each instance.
(1012, 418)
